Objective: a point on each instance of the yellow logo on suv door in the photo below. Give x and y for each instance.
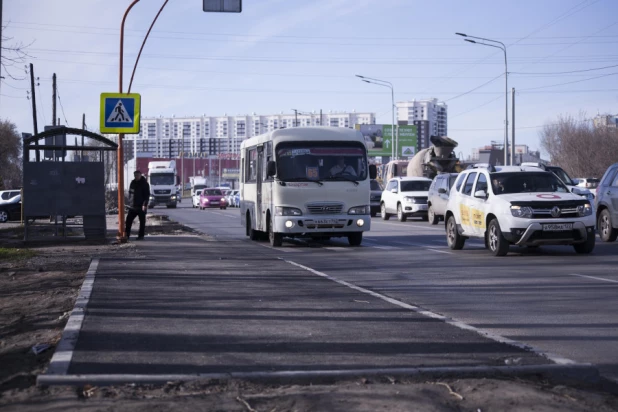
(478, 218)
(464, 211)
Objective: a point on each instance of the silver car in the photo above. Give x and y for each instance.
(607, 205)
(438, 196)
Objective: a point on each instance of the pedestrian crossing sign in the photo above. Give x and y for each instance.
(120, 113)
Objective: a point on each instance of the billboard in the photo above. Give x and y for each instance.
(379, 140)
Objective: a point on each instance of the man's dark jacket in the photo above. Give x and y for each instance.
(139, 193)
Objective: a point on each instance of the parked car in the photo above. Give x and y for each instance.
(587, 182)
(212, 198)
(510, 206)
(607, 205)
(236, 198)
(375, 196)
(6, 195)
(406, 197)
(438, 196)
(11, 209)
(229, 196)
(196, 198)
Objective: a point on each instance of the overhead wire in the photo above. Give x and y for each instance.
(62, 107)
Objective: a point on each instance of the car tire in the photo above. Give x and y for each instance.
(385, 216)
(432, 217)
(454, 240)
(275, 239)
(498, 245)
(355, 239)
(4, 216)
(400, 215)
(607, 233)
(588, 246)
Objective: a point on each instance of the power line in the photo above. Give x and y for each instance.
(571, 82)
(140, 32)
(423, 42)
(475, 89)
(475, 108)
(569, 72)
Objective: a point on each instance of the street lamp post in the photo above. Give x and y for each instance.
(506, 91)
(384, 83)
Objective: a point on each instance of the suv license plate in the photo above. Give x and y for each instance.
(557, 227)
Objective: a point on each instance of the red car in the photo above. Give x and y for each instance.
(212, 198)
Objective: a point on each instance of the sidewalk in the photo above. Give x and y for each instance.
(195, 306)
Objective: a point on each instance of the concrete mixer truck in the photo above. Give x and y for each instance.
(438, 158)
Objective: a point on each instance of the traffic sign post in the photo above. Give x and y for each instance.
(120, 113)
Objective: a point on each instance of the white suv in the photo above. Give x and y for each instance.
(508, 205)
(405, 196)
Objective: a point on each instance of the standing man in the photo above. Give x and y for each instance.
(139, 195)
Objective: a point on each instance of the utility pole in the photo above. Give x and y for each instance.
(1, 40)
(54, 101)
(513, 128)
(81, 157)
(36, 128)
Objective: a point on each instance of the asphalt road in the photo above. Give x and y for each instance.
(551, 298)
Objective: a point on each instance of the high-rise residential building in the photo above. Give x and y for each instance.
(429, 115)
(200, 136)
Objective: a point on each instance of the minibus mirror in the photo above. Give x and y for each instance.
(373, 171)
(271, 169)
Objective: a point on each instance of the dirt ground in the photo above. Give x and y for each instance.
(38, 288)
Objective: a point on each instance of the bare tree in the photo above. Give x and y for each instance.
(580, 148)
(14, 53)
(10, 155)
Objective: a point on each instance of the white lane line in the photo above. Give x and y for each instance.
(338, 248)
(486, 333)
(278, 249)
(385, 247)
(404, 226)
(594, 277)
(61, 360)
(439, 251)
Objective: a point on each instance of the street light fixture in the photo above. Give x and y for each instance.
(506, 92)
(384, 83)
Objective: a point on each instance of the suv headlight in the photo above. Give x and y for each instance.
(287, 211)
(584, 210)
(519, 211)
(151, 197)
(409, 199)
(359, 210)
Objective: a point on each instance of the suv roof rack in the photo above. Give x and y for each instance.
(534, 164)
(482, 166)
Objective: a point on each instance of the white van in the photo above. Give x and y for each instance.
(306, 182)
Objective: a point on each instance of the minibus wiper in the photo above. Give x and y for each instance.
(346, 178)
(302, 179)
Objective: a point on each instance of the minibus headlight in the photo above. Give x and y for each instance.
(287, 211)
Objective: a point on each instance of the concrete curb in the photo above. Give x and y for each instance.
(579, 373)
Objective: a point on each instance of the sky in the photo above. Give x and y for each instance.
(279, 55)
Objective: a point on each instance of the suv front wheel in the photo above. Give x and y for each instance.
(431, 216)
(400, 215)
(498, 245)
(385, 216)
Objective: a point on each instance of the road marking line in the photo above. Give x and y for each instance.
(404, 225)
(386, 247)
(486, 333)
(337, 248)
(593, 277)
(61, 360)
(439, 251)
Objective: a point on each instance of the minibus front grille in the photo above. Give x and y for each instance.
(325, 208)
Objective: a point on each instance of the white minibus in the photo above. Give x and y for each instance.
(306, 182)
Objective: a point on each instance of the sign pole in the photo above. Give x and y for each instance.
(122, 237)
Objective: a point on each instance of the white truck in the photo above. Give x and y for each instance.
(197, 183)
(162, 179)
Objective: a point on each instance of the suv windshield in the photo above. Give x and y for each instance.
(321, 161)
(415, 186)
(562, 175)
(524, 182)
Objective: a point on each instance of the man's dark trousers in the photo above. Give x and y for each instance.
(142, 221)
